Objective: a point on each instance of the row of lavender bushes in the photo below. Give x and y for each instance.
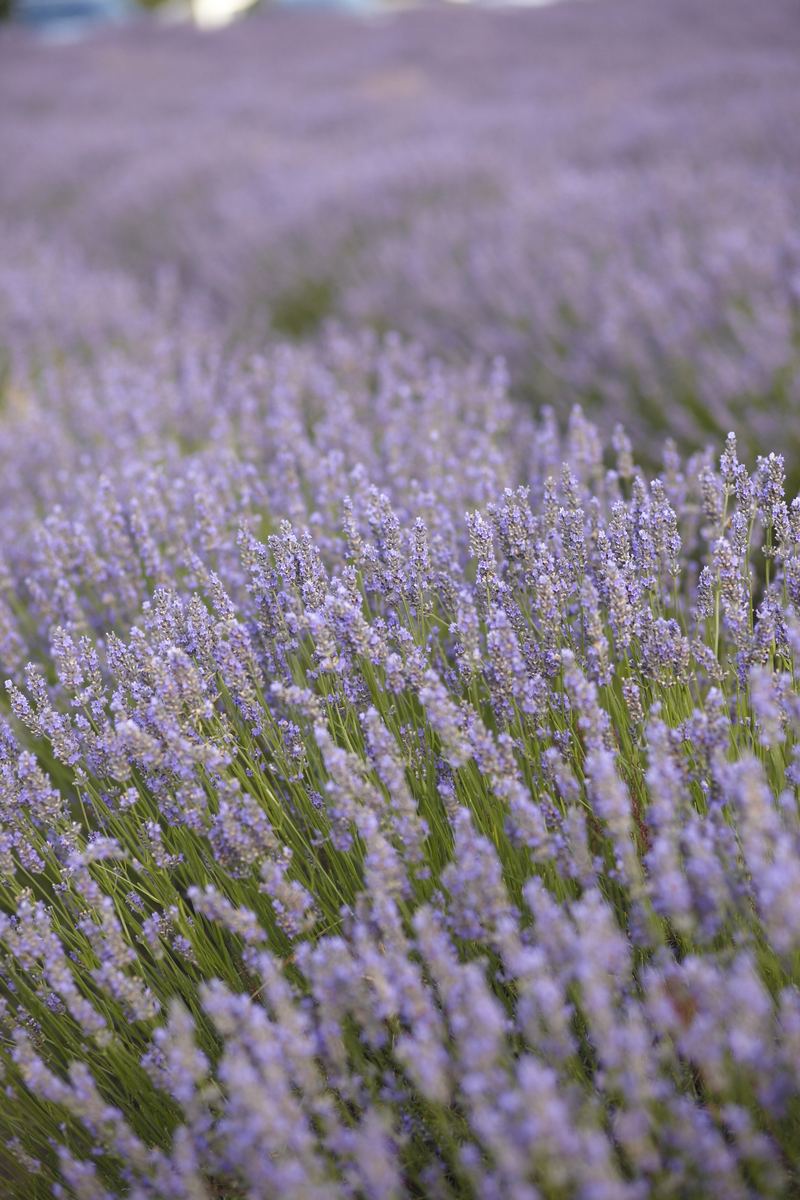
(400, 799)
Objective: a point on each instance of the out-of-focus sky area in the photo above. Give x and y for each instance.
(67, 20)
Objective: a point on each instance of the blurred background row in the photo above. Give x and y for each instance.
(605, 192)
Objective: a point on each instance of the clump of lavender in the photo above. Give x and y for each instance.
(436, 835)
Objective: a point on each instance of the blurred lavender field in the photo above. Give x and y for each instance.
(607, 194)
(400, 607)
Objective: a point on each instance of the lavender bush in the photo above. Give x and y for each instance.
(399, 779)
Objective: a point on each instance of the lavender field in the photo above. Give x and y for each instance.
(399, 601)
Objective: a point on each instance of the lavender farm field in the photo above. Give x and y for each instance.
(606, 193)
(399, 596)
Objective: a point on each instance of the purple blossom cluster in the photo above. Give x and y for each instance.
(399, 779)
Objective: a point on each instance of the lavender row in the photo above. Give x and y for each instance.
(432, 856)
